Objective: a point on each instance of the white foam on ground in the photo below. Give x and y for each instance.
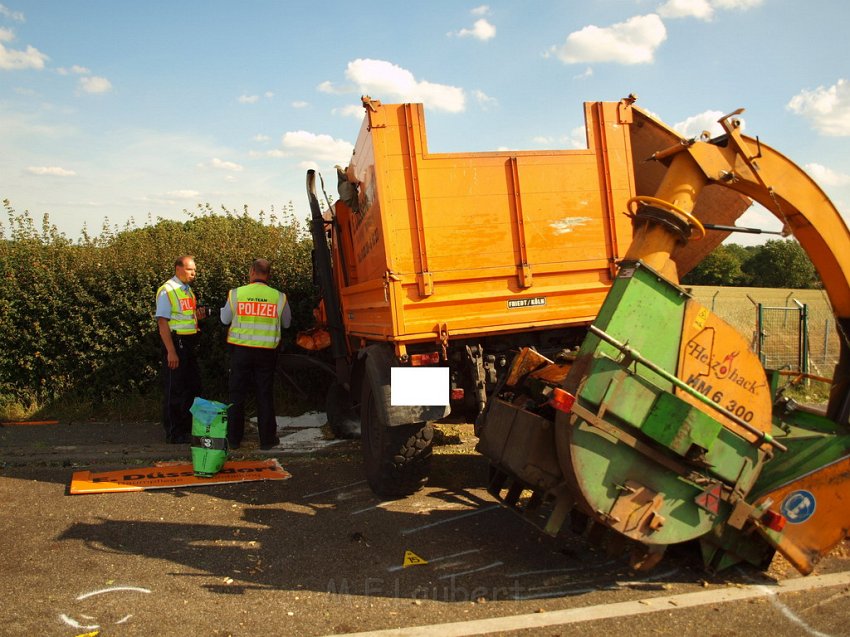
(301, 434)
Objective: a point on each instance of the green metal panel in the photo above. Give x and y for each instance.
(679, 427)
(603, 464)
(647, 312)
(625, 395)
(692, 434)
(807, 452)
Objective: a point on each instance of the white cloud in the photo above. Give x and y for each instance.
(14, 60)
(484, 100)
(383, 80)
(17, 16)
(316, 147)
(76, 69)
(95, 84)
(700, 9)
(577, 137)
(253, 99)
(481, 30)
(703, 9)
(51, 171)
(352, 110)
(828, 109)
(300, 104)
(261, 138)
(193, 195)
(737, 4)
(694, 126)
(826, 176)
(481, 10)
(329, 87)
(588, 72)
(6, 35)
(225, 165)
(631, 42)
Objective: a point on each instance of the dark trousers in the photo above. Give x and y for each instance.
(252, 367)
(180, 387)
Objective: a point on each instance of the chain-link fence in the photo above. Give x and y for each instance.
(781, 336)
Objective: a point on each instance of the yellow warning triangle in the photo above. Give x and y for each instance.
(412, 559)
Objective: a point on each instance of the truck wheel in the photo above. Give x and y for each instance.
(397, 459)
(342, 418)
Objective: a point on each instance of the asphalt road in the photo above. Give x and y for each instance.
(318, 554)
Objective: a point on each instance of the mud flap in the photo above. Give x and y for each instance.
(378, 363)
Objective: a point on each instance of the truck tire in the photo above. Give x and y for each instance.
(397, 459)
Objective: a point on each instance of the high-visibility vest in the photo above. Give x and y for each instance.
(256, 312)
(183, 320)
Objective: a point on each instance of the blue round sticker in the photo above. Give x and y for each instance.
(798, 506)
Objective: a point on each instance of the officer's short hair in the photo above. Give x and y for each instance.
(261, 266)
(181, 261)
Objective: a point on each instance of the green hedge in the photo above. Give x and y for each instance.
(77, 317)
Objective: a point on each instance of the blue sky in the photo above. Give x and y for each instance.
(118, 110)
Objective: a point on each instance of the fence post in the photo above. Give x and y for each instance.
(803, 361)
(825, 341)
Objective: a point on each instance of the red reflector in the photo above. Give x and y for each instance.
(457, 394)
(562, 400)
(773, 520)
(431, 358)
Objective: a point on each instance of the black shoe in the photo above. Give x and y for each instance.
(270, 445)
(178, 440)
(233, 446)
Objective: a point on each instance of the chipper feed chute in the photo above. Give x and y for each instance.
(666, 426)
(671, 422)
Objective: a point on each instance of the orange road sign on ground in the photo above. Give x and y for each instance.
(21, 423)
(171, 476)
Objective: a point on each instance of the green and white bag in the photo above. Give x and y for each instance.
(209, 437)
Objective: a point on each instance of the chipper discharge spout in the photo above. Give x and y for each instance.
(666, 426)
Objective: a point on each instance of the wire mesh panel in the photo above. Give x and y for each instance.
(782, 338)
(737, 306)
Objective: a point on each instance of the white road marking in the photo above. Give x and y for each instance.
(547, 571)
(393, 569)
(416, 529)
(345, 486)
(73, 623)
(474, 570)
(789, 614)
(112, 590)
(667, 603)
(380, 505)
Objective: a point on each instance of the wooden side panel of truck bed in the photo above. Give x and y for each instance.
(480, 242)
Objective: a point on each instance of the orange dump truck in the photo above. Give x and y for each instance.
(440, 266)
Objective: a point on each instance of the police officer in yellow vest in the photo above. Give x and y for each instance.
(177, 319)
(255, 313)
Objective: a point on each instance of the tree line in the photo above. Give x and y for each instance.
(78, 316)
(779, 263)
